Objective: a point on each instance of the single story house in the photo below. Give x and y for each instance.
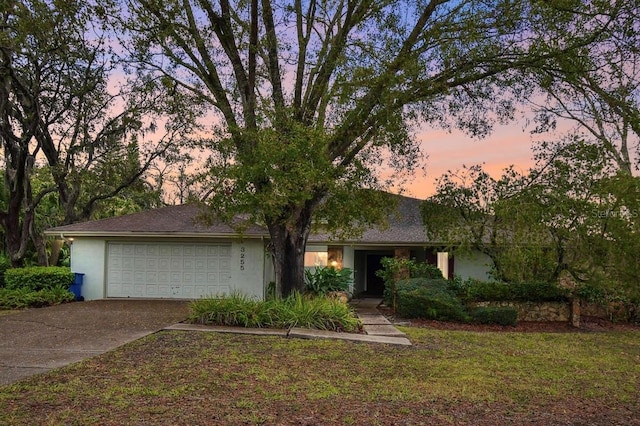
(166, 253)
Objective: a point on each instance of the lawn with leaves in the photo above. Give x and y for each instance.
(447, 377)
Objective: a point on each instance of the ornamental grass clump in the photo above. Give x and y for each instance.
(297, 310)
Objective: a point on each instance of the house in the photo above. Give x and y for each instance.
(165, 253)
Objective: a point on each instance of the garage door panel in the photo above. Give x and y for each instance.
(187, 292)
(168, 270)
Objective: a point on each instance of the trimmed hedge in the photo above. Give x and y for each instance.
(38, 278)
(479, 291)
(25, 298)
(429, 299)
(495, 315)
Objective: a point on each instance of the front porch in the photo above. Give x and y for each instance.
(367, 261)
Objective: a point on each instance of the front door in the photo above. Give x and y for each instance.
(375, 284)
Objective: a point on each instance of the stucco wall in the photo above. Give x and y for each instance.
(348, 261)
(88, 257)
(473, 265)
(247, 273)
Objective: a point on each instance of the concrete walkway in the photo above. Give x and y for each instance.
(376, 327)
(375, 324)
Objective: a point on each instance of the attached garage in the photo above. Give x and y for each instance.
(168, 270)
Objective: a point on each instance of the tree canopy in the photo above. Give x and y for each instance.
(575, 211)
(63, 113)
(307, 99)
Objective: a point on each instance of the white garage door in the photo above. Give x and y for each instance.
(171, 270)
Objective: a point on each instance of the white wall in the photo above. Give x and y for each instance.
(88, 257)
(472, 265)
(348, 261)
(247, 269)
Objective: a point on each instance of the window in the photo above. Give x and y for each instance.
(315, 258)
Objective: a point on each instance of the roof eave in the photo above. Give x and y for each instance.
(138, 234)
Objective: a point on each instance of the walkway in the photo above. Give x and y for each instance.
(375, 324)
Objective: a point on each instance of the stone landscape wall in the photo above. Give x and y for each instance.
(537, 311)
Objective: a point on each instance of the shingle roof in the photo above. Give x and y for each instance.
(404, 226)
(170, 220)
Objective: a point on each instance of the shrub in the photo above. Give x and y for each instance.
(323, 280)
(495, 315)
(38, 278)
(25, 298)
(592, 293)
(395, 269)
(5, 264)
(617, 303)
(459, 286)
(488, 290)
(526, 291)
(539, 291)
(320, 312)
(428, 298)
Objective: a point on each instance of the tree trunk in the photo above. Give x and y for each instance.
(56, 249)
(288, 249)
(16, 220)
(40, 246)
(288, 243)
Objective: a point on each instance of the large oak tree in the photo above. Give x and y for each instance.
(307, 99)
(63, 109)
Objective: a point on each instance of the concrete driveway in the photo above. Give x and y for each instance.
(38, 340)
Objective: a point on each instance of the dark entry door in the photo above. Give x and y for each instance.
(375, 284)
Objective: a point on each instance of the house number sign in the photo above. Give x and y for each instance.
(243, 254)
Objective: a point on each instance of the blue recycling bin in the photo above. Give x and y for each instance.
(76, 286)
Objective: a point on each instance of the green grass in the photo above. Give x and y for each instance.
(447, 377)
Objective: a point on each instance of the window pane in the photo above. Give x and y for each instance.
(315, 258)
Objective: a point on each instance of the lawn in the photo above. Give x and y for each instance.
(447, 377)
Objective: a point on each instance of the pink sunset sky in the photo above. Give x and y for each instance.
(507, 145)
